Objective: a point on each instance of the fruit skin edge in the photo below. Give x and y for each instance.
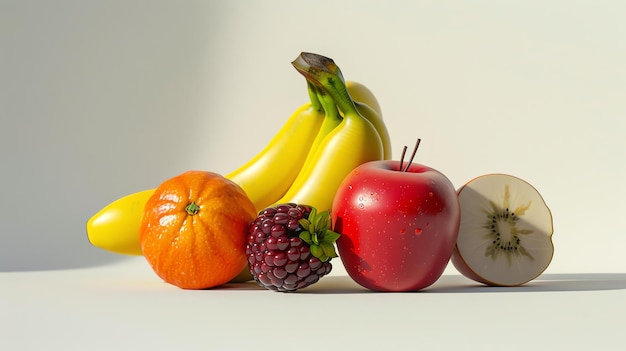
(461, 265)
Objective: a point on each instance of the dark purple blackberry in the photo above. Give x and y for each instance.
(290, 247)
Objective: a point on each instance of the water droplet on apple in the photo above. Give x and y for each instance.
(349, 187)
(402, 231)
(361, 205)
(430, 194)
(418, 231)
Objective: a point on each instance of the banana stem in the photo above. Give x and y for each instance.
(328, 104)
(323, 72)
(332, 119)
(313, 92)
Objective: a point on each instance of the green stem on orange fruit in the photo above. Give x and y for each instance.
(192, 208)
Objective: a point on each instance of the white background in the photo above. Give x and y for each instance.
(99, 99)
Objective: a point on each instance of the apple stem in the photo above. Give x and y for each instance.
(402, 158)
(417, 144)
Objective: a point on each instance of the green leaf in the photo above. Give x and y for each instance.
(318, 235)
(304, 223)
(315, 238)
(317, 251)
(330, 236)
(322, 221)
(312, 226)
(306, 237)
(329, 249)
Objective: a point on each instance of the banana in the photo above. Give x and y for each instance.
(353, 142)
(377, 121)
(259, 177)
(360, 92)
(115, 227)
(331, 121)
(368, 106)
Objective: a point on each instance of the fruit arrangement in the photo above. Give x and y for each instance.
(396, 225)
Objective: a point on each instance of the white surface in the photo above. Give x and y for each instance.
(124, 306)
(99, 99)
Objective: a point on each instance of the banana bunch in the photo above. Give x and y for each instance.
(319, 144)
(361, 136)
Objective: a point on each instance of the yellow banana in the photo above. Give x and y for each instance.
(377, 121)
(331, 121)
(360, 92)
(352, 143)
(115, 228)
(368, 106)
(259, 177)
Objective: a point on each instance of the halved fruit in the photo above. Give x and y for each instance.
(505, 237)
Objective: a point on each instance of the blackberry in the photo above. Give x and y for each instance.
(290, 247)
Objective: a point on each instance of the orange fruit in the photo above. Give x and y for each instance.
(194, 229)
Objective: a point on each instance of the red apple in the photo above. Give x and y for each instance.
(398, 225)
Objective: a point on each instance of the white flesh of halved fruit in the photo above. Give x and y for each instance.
(505, 237)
